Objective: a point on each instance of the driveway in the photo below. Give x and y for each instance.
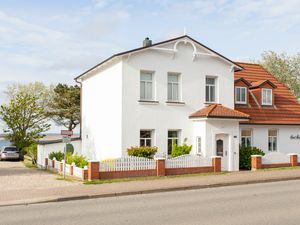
(17, 180)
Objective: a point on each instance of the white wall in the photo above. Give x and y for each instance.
(285, 144)
(163, 117)
(101, 113)
(45, 149)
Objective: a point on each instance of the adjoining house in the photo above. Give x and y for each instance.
(180, 89)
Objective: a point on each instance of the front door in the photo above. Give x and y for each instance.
(221, 150)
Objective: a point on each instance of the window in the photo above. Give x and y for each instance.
(173, 138)
(145, 138)
(246, 138)
(210, 89)
(198, 145)
(266, 96)
(146, 86)
(240, 95)
(272, 140)
(173, 87)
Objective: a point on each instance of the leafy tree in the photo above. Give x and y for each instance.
(65, 106)
(25, 120)
(285, 68)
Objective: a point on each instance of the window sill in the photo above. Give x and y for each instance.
(148, 102)
(210, 103)
(175, 103)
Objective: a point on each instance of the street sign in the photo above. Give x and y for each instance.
(66, 139)
(66, 132)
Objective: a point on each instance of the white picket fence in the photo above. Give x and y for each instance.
(275, 157)
(185, 161)
(127, 163)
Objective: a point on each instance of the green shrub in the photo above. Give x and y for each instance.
(181, 150)
(143, 151)
(245, 156)
(80, 160)
(57, 155)
(32, 153)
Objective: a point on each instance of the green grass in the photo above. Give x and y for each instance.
(27, 162)
(281, 168)
(149, 178)
(69, 179)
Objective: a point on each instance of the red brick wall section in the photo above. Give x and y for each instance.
(84, 174)
(126, 174)
(93, 170)
(60, 170)
(216, 164)
(71, 169)
(189, 170)
(256, 162)
(160, 167)
(53, 164)
(294, 159)
(275, 165)
(46, 163)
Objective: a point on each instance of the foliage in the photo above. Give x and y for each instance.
(31, 151)
(65, 106)
(57, 155)
(79, 160)
(70, 148)
(284, 67)
(181, 150)
(245, 156)
(143, 151)
(25, 120)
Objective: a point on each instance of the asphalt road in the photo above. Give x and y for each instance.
(259, 204)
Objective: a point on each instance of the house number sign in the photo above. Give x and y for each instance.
(295, 137)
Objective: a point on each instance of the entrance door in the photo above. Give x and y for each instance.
(221, 150)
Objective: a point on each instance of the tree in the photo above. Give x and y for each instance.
(25, 119)
(65, 106)
(285, 68)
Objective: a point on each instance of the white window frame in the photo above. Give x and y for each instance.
(173, 138)
(263, 101)
(198, 145)
(145, 139)
(172, 84)
(211, 85)
(147, 82)
(241, 102)
(251, 141)
(272, 140)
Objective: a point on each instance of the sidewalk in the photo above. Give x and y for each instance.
(80, 191)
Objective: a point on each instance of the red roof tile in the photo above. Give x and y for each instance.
(260, 83)
(219, 111)
(286, 109)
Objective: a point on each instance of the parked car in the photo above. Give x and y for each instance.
(10, 153)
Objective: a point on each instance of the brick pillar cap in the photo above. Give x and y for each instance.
(160, 158)
(292, 154)
(54, 159)
(72, 164)
(62, 161)
(216, 157)
(93, 161)
(85, 167)
(256, 155)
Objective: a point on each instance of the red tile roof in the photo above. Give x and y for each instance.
(286, 108)
(261, 83)
(219, 111)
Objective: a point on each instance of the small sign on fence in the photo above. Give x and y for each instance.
(66, 132)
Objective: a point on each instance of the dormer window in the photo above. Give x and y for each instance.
(240, 95)
(266, 96)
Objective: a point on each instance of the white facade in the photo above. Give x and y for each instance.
(113, 115)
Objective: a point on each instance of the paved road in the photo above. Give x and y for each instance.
(259, 204)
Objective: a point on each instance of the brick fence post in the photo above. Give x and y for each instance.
(93, 170)
(61, 167)
(256, 162)
(53, 163)
(216, 163)
(46, 163)
(72, 168)
(160, 167)
(85, 173)
(293, 159)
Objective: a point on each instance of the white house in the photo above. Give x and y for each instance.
(180, 89)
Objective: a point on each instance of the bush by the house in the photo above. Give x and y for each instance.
(79, 160)
(31, 151)
(70, 148)
(143, 151)
(245, 156)
(57, 155)
(181, 150)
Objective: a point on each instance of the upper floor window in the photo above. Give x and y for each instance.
(146, 137)
(173, 87)
(146, 86)
(210, 89)
(266, 96)
(240, 95)
(246, 137)
(272, 140)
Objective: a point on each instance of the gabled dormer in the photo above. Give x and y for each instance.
(263, 91)
(241, 91)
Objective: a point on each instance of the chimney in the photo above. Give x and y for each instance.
(147, 42)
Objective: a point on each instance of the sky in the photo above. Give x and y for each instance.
(56, 40)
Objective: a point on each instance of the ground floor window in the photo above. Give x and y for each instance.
(272, 140)
(173, 138)
(246, 137)
(146, 137)
(198, 146)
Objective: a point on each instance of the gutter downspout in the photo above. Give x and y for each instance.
(80, 85)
